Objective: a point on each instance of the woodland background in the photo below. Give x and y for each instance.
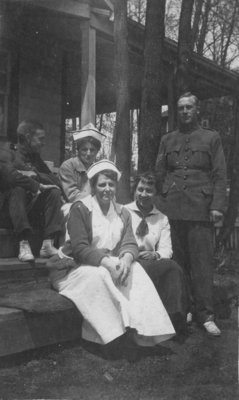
(208, 27)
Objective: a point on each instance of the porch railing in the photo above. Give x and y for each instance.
(233, 241)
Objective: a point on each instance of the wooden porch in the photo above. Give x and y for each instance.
(58, 63)
(32, 314)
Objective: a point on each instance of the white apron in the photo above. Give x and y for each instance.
(108, 310)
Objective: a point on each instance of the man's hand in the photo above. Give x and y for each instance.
(147, 255)
(216, 216)
(30, 174)
(42, 187)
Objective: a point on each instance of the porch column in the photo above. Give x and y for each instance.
(88, 67)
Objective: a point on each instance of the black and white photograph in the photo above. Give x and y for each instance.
(119, 199)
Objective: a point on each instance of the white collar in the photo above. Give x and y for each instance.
(133, 206)
(91, 202)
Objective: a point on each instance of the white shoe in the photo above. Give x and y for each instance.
(47, 249)
(25, 253)
(189, 318)
(212, 328)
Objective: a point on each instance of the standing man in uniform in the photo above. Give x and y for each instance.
(192, 170)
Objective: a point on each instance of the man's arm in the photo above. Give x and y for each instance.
(10, 177)
(219, 176)
(160, 166)
(37, 167)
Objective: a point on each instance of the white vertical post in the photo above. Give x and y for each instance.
(88, 68)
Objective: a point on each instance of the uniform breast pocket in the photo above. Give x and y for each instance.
(201, 156)
(172, 155)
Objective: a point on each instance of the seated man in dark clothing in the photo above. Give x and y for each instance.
(31, 193)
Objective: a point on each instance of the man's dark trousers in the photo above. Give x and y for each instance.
(27, 212)
(193, 251)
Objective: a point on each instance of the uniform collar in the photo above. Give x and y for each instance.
(90, 202)
(192, 129)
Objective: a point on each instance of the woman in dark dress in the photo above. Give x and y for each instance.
(152, 233)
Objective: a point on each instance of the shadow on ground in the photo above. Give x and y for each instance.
(197, 369)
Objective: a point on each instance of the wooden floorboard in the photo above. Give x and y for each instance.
(31, 313)
(14, 264)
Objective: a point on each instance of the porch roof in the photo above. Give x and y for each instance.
(63, 19)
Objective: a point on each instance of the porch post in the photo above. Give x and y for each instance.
(88, 67)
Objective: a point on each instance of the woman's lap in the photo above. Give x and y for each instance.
(110, 309)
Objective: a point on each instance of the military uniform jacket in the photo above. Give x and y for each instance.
(192, 171)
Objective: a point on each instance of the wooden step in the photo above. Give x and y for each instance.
(32, 315)
(20, 331)
(13, 264)
(8, 243)
(11, 269)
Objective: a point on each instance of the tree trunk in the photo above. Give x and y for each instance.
(101, 122)
(203, 31)
(196, 21)
(122, 126)
(113, 146)
(150, 113)
(184, 47)
(229, 34)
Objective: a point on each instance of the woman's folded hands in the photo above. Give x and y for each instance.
(147, 255)
(119, 268)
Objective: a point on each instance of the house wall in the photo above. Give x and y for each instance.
(40, 87)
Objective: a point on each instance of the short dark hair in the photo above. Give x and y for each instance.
(26, 127)
(148, 177)
(107, 172)
(88, 139)
(189, 94)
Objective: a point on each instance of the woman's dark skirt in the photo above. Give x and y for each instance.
(169, 281)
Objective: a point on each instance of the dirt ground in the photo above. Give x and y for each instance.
(200, 368)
